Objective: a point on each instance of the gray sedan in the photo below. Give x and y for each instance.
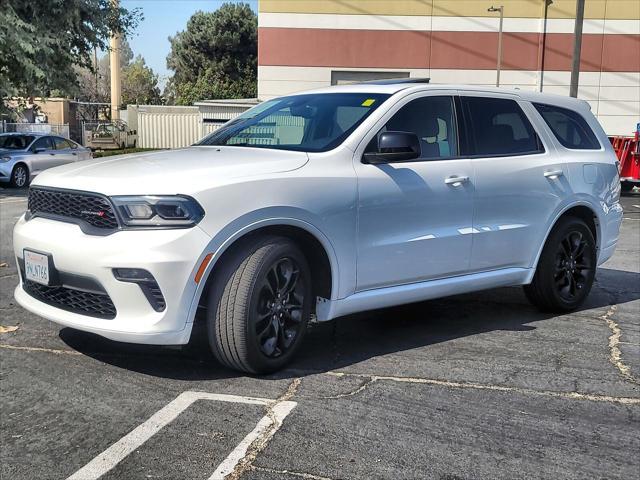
(25, 155)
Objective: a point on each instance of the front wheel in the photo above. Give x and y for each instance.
(20, 176)
(259, 305)
(566, 268)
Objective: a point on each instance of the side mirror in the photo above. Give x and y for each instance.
(394, 147)
(39, 150)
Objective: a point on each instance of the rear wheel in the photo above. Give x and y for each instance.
(626, 186)
(566, 268)
(259, 305)
(20, 176)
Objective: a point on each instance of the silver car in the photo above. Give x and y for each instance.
(25, 155)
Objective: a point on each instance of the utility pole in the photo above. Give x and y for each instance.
(501, 10)
(114, 59)
(577, 47)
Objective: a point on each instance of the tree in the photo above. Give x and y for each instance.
(43, 42)
(94, 85)
(216, 56)
(140, 84)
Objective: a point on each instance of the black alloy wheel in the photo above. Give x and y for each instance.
(566, 268)
(279, 308)
(259, 304)
(574, 266)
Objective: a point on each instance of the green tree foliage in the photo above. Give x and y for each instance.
(43, 41)
(216, 56)
(139, 84)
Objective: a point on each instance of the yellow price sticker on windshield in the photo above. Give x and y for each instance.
(368, 102)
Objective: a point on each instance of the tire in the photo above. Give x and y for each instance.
(244, 318)
(20, 176)
(566, 269)
(626, 187)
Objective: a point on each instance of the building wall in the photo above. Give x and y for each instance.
(302, 43)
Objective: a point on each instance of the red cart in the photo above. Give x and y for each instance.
(628, 151)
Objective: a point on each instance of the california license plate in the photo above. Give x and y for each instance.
(36, 267)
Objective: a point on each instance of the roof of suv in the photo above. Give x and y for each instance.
(391, 88)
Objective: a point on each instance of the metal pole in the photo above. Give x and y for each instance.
(577, 47)
(499, 65)
(114, 59)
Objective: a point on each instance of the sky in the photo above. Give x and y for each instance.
(162, 19)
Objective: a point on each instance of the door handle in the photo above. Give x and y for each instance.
(554, 174)
(74, 153)
(456, 180)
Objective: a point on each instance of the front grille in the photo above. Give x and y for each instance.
(90, 208)
(77, 301)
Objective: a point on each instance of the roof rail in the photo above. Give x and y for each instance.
(393, 81)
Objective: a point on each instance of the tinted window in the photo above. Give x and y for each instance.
(61, 143)
(432, 119)
(15, 142)
(311, 123)
(571, 130)
(498, 126)
(44, 142)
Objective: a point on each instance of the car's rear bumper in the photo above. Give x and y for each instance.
(610, 223)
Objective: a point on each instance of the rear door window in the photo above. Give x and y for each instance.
(569, 127)
(498, 127)
(61, 143)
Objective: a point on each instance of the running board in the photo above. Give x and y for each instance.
(417, 292)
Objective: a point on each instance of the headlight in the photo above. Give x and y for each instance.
(149, 211)
(5, 158)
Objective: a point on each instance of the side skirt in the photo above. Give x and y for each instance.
(417, 292)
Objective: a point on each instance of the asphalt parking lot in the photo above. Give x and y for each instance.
(478, 386)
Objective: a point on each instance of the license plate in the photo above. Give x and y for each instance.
(36, 267)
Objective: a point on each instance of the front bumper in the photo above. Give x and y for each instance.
(5, 171)
(172, 256)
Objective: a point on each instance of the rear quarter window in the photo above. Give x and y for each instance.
(498, 127)
(569, 127)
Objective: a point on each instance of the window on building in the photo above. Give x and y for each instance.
(339, 77)
(498, 126)
(569, 127)
(432, 119)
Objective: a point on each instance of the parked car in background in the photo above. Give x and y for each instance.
(323, 204)
(25, 155)
(111, 136)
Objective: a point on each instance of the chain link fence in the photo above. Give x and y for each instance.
(46, 128)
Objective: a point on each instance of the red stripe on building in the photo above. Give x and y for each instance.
(442, 50)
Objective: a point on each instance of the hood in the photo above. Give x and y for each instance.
(186, 171)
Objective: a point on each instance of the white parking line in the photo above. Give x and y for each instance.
(134, 439)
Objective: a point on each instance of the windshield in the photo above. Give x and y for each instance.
(15, 142)
(309, 123)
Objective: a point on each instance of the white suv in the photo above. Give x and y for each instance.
(321, 204)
